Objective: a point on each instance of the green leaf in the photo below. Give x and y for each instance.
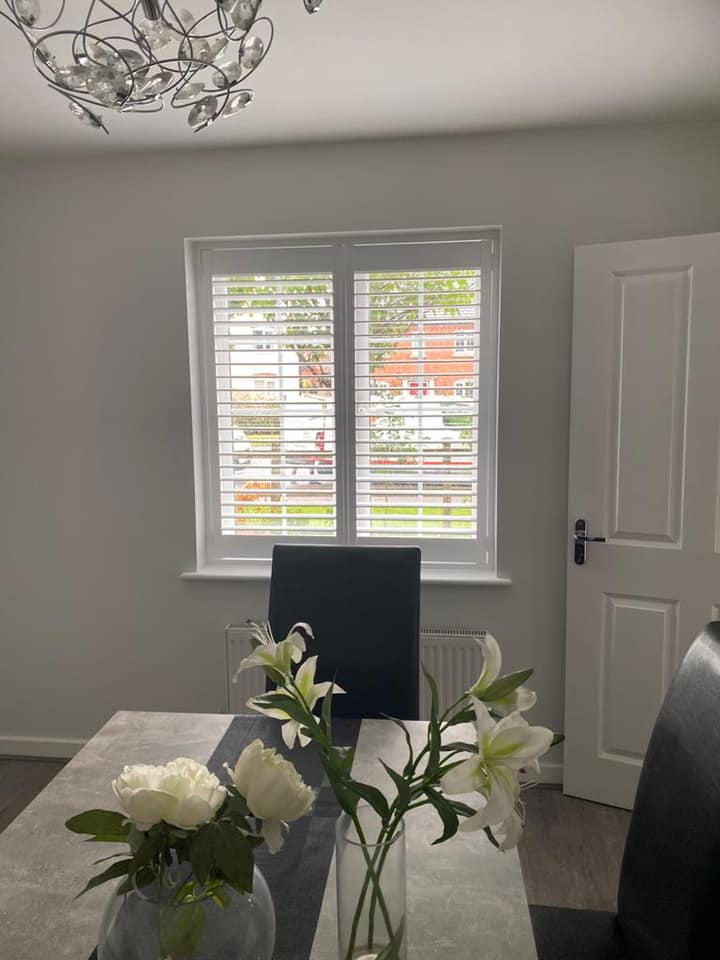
(434, 726)
(459, 745)
(135, 839)
(221, 896)
(462, 808)
(281, 701)
(347, 799)
(392, 950)
(233, 855)
(119, 869)
(491, 837)
(181, 930)
(143, 878)
(275, 676)
(339, 759)
(373, 796)
(107, 838)
(201, 853)
(557, 738)
(147, 852)
(100, 823)
(335, 765)
(411, 755)
(402, 786)
(447, 814)
(113, 856)
(434, 699)
(467, 715)
(326, 712)
(504, 686)
(236, 805)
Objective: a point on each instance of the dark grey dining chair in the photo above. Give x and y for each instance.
(670, 876)
(363, 604)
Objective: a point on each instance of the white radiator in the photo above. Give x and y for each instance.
(452, 656)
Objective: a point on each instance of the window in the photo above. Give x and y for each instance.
(419, 388)
(361, 421)
(259, 342)
(465, 341)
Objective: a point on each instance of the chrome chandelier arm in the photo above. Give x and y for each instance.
(144, 55)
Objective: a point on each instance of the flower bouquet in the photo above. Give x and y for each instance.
(188, 877)
(489, 770)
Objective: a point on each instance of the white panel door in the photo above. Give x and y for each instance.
(645, 475)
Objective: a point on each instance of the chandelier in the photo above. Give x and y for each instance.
(149, 54)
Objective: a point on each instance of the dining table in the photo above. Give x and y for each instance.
(466, 900)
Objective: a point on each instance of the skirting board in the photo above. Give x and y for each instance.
(55, 748)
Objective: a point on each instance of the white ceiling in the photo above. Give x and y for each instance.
(377, 68)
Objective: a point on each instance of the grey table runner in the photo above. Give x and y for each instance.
(298, 873)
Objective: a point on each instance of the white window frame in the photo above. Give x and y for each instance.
(465, 560)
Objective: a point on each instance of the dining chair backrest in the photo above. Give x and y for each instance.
(363, 604)
(670, 877)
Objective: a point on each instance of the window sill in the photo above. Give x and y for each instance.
(259, 571)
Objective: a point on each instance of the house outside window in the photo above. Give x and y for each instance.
(265, 384)
(417, 345)
(261, 341)
(464, 341)
(419, 388)
(348, 434)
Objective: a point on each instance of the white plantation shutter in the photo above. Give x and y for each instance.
(274, 396)
(344, 392)
(416, 444)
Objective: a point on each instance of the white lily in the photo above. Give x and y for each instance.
(520, 699)
(311, 693)
(276, 656)
(504, 749)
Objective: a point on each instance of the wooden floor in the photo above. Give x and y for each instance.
(570, 851)
(20, 781)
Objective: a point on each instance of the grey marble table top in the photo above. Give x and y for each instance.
(465, 899)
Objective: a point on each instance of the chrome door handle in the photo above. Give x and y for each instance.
(581, 538)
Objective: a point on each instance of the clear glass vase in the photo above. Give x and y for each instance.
(141, 925)
(371, 888)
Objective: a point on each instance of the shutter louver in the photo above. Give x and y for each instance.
(417, 353)
(274, 379)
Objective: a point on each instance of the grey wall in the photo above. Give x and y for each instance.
(96, 471)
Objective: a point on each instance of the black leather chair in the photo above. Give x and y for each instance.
(363, 604)
(670, 877)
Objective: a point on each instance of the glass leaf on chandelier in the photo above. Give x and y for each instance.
(28, 12)
(203, 113)
(238, 103)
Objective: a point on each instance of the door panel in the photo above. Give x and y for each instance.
(639, 636)
(644, 473)
(648, 426)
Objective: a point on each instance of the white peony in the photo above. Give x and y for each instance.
(273, 790)
(183, 793)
